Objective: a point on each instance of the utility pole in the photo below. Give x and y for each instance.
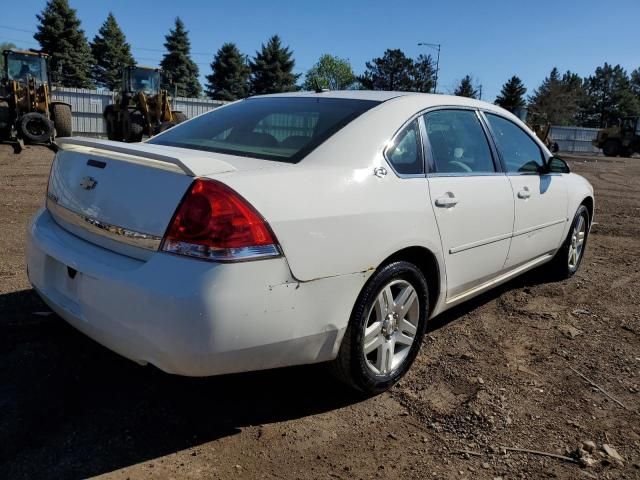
(435, 46)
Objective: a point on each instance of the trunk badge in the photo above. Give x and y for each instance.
(88, 183)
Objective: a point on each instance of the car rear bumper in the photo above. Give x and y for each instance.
(187, 316)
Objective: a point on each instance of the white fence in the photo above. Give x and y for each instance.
(87, 107)
(574, 139)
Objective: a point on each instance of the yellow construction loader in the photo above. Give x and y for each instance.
(622, 139)
(27, 113)
(141, 107)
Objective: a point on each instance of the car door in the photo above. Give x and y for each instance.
(540, 198)
(471, 198)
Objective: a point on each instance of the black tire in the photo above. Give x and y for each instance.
(351, 365)
(611, 148)
(560, 267)
(114, 129)
(35, 127)
(62, 119)
(134, 127)
(178, 116)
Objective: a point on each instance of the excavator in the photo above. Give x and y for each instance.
(141, 106)
(27, 112)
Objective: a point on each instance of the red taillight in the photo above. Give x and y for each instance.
(216, 223)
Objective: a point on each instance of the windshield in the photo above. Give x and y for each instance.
(21, 66)
(145, 80)
(273, 128)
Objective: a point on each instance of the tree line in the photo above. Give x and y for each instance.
(562, 99)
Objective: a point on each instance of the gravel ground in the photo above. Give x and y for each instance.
(500, 372)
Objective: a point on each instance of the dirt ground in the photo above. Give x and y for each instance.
(494, 373)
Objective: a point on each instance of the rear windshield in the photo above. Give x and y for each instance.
(285, 129)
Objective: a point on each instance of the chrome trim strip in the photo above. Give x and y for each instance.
(106, 230)
(504, 236)
(538, 227)
(480, 243)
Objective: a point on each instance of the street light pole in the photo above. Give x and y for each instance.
(435, 46)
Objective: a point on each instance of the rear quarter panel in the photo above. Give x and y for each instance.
(331, 214)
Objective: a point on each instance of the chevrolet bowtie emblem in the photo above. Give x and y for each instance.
(88, 183)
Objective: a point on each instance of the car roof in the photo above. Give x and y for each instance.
(429, 99)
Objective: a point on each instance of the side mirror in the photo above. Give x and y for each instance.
(556, 165)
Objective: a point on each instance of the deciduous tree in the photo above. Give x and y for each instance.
(330, 72)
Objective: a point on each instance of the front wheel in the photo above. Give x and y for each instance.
(62, 119)
(611, 148)
(567, 260)
(385, 330)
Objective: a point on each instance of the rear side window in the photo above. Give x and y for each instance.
(405, 155)
(458, 142)
(520, 153)
(273, 128)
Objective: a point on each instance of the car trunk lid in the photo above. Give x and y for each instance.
(123, 196)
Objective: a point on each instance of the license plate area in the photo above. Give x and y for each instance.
(64, 282)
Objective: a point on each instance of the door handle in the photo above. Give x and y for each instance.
(446, 201)
(524, 193)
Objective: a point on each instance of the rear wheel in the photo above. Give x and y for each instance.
(611, 148)
(35, 127)
(385, 330)
(567, 260)
(62, 119)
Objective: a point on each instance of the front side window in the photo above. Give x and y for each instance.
(23, 66)
(405, 155)
(520, 153)
(458, 142)
(284, 129)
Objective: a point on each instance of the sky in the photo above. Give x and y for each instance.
(490, 40)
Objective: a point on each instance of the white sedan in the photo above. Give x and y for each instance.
(301, 228)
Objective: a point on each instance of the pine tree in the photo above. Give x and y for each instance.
(512, 95)
(60, 35)
(111, 52)
(466, 88)
(272, 69)
(330, 72)
(392, 72)
(635, 82)
(557, 100)
(424, 74)
(608, 97)
(229, 79)
(180, 71)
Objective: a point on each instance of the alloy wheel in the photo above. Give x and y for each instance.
(577, 242)
(391, 327)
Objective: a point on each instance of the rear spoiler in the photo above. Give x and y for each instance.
(110, 147)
